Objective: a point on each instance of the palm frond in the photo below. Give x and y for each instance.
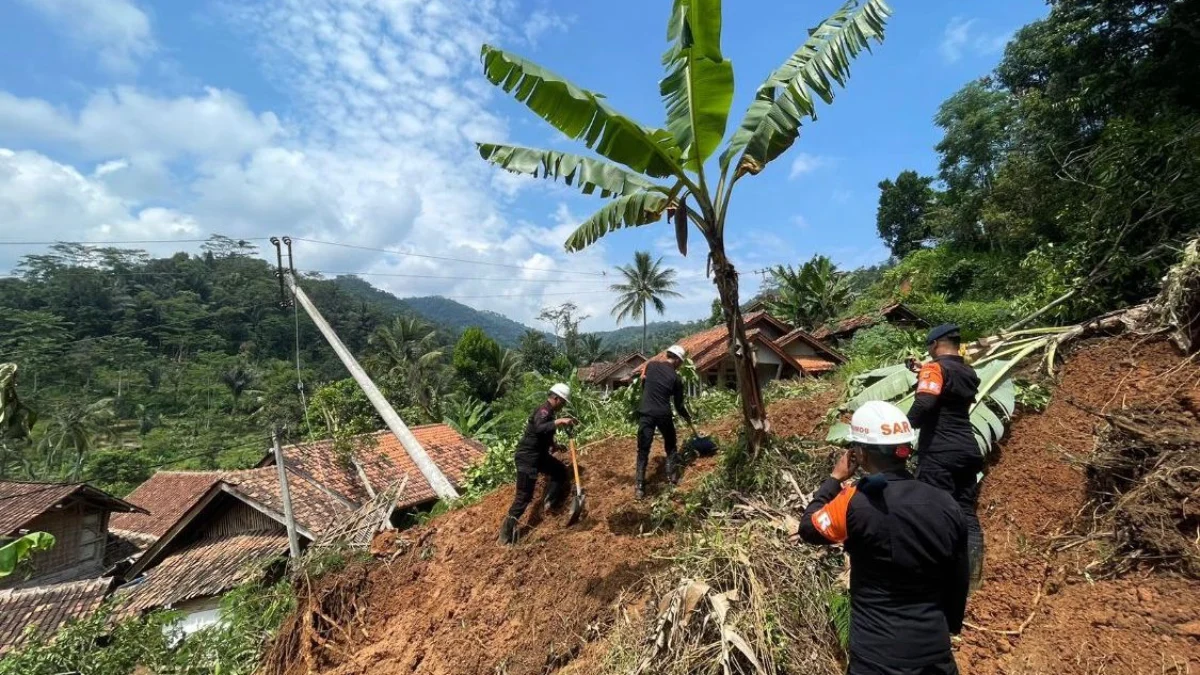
(772, 123)
(586, 173)
(582, 115)
(639, 208)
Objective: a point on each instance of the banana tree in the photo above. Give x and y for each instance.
(994, 362)
(17, 551)
(652, 172)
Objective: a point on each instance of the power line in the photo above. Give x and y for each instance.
(517, 295)
(54, 486)
(125, 241)
(439, 257)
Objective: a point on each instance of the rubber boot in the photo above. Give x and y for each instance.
(508, 531)
(639, 481)
(673, 469)
(975, 552)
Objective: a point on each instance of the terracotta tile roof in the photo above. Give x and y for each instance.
(46, 608)
(21, 502)
(167, 495)
(815, 365)
(814, 342)
(385, 462)
(314, 508)
(866, 320)
(590, 373)
(204, 568)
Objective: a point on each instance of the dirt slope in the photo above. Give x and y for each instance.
(1144, 623)
(454, 602)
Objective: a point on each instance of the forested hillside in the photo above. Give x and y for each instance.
(1067, 177)
(130, 362)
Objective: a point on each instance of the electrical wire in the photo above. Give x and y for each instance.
(439, 257)
(299, 379)
(126, 241)
(54, 486)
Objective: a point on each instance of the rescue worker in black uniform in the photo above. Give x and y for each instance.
(948, 455)
(661, 385)
(533, 457)
(907, 543)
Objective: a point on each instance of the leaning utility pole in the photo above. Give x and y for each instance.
(286, 495)
(437, 480)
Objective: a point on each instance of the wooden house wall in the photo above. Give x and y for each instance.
(80, 533)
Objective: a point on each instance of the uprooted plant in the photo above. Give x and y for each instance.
(1144, 480)
(742, 597)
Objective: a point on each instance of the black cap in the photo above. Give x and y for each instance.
(942, 331)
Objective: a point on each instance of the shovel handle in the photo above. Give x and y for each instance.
(574, 464)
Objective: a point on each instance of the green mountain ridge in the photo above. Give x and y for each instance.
(453, 318)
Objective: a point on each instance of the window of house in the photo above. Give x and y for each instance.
(91, 537)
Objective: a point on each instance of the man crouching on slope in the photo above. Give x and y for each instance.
(533, 457)
(907, 543)
(661, 385)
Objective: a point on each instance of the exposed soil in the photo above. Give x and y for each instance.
(449, 600)
(1034, 507)
(452, 601)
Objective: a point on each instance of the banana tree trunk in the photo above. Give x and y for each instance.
(754, 413)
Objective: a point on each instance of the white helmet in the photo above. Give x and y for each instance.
(562, 391)
(880, 423)
(677, 351)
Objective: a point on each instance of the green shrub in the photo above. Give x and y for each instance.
(976, 319)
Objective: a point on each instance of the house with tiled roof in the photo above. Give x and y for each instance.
(611, 375)
(897, 313)
(214, 530)
(71, 578)
(780, 351)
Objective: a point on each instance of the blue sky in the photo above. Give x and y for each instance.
(354, 122)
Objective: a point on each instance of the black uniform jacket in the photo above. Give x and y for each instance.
(538, 438)
(946, 389)
(661, 385)
(907, 543)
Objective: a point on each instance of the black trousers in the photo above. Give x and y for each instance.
(957, 472)
(645, 437)
(528, 468)
(860, 666)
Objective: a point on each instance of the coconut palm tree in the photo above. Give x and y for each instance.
(646, 283)
(400, 345)
(651, 172)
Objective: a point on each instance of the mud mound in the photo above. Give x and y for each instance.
(450, 600)
(1039, 611)
(788, 417)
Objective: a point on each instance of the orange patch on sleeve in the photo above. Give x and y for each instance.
(830, 521)
(929, 381)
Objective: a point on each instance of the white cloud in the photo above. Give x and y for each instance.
(390, 101)
(800, 222)
(118, 31)
(42, 199)
(126, 122)
(805, 163)
(541, 22)
(961, 36)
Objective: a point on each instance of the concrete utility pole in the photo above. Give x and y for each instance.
(437, 480)
(286, 495)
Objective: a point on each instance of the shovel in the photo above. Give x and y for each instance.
(578, 502)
